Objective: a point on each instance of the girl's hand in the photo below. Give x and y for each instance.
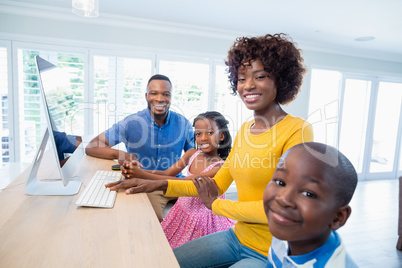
(131, 169)
(207, 190)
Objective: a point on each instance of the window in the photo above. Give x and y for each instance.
(324, 105)
(30, 110)
(367, 128)
(190, 86)
(106, 87)
(120, 81)
(136, 73)
(387, 120)
(355, 110)
(4, 128)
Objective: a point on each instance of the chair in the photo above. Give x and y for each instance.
(399, 243)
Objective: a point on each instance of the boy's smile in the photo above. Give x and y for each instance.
(299, 202)
(284, 217)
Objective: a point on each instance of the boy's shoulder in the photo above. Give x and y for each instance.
(331, 255)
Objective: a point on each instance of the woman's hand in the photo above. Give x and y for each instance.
(207, 190)
(138, 185)
(131, 169)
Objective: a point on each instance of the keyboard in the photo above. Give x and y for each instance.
(96, 194)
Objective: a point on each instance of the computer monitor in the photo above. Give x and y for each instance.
(51, 87)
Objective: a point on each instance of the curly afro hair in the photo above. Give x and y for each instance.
(280, 58)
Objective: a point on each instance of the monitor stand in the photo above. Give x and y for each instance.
(34, 186)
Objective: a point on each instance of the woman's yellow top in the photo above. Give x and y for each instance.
(251, 164)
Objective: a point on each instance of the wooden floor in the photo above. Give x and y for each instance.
(371, 233)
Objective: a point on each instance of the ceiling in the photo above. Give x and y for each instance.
(316, 24)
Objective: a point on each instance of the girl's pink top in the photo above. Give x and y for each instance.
(190, 219)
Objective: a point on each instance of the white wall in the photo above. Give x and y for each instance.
(120, 34)
(149, 36)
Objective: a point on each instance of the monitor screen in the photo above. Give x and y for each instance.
(59, 110)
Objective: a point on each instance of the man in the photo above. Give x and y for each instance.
(66, 144)
(156, 137)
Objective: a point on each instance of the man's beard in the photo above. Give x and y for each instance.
(158, 116)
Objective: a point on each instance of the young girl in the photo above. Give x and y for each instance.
(189, 218)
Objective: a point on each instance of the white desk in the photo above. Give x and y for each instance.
(51, 231)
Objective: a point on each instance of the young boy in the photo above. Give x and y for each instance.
(306, 202)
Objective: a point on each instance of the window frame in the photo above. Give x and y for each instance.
(11, 96)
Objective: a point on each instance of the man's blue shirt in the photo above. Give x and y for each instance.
(64, 143)
(156, 148)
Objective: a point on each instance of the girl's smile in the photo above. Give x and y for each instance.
(207, 135)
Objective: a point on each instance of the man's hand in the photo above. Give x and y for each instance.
(124, 156)
(207, 190)
(131, 169)
(138, 185)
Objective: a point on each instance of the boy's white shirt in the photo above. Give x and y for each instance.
(337, 259)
